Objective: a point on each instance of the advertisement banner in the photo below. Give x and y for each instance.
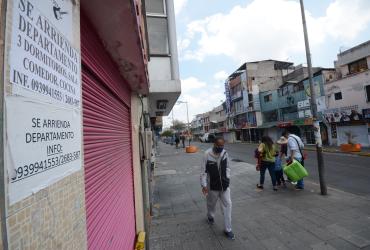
(228, 98)
(343, 114)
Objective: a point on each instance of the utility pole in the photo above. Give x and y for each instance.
(316, 122)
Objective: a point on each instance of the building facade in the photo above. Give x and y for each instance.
(348, 98)
(197, 126)
(244, 86)
(289, 105)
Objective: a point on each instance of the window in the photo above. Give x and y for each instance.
(298, 87)
(267, 98)
(286, 90)
(338, 96)
(238, 106)
(155, 6)
(367, 89)
(358, 66)
(158, 38)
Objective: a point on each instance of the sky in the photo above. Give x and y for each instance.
(215, 37)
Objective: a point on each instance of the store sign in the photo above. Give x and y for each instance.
(43, 95)
(303, 104)
(284, 124)
(304, 113)
(228, 98)
(320, 104)
(344, 114)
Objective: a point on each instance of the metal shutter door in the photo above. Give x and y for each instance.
(107, 149)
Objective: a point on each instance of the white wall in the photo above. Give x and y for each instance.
(353, 91)
(354, 54)
(229, 137)
(159, 69)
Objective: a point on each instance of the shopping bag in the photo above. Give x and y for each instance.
(295, 171)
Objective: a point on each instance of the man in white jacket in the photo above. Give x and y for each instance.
(215, 180)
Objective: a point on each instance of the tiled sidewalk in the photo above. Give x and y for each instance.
(286, 219)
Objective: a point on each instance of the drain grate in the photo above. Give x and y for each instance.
(237, 160)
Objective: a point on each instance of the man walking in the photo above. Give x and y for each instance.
(215, 180)
(294, 152)
(183, 140)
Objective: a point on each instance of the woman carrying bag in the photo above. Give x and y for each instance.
(267, 152)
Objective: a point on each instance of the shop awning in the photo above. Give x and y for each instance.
(268, 125)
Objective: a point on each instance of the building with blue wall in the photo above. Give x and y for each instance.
(289, 105)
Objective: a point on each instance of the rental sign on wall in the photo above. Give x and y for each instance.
(42, 95)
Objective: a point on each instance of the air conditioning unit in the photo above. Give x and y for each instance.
(147, 144)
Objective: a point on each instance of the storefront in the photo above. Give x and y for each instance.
(348, 125)
(110, 209)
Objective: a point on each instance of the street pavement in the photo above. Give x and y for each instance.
(350, 173)
(287, 219)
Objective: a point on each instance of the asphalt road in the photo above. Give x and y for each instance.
(350, 173)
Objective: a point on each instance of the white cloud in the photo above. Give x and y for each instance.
(346, 19)
(179, 5)
(267, 29)
(201, 97)
(220, 76)
(190, 84)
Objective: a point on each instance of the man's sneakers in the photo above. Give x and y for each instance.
(230, 235)
(210, 221)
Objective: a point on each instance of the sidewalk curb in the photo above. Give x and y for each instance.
(326, 150)
(366, 154)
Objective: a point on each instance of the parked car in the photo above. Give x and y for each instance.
(207, 137)
(168, 140)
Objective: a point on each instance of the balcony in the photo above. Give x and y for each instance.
(290, 116)
(291, 99)
(237, 96)
(270, 105)
(241, 111)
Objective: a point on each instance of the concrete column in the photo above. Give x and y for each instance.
(138, 191)
(172, 40)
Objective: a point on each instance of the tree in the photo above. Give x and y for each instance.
(178, 125)
(167, 133)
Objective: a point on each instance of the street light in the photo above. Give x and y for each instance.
(187, 116)
(316, 123)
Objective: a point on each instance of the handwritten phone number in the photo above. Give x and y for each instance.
(38, 167)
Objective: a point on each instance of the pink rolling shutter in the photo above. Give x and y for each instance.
(109, 189)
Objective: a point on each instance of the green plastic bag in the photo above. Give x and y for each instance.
(295, 171)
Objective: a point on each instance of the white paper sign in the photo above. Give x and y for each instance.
(43, 105)
(43, 62)
(44, 145)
